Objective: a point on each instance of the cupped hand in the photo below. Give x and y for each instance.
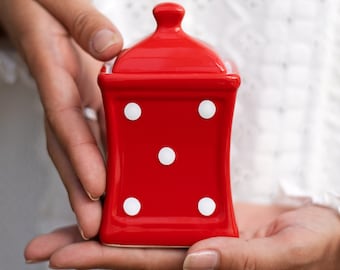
(272, 238)
(306, 238)
(60, 42)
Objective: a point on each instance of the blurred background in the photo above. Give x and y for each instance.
(32, 198)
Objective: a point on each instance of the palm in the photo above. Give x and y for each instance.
(279, 237)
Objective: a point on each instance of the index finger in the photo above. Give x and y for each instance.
(52, 60)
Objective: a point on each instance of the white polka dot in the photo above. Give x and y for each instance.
(132, 111)
(207, 109)
(206, 206)
(132, 206)
(166, 156)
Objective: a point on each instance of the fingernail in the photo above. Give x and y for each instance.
(103, 39)
(31, 261)
(91, 197)
(202, 260)
(82, 233)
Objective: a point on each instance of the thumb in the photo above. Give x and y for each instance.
(235, 254)
(91, 29)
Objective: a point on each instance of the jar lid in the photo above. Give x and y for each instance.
(169, 49)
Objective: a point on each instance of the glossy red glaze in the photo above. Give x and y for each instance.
(166, 77)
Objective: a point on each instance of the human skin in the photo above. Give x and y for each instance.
(63, 51)
(271, 237)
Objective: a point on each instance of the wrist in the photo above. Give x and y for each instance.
(297, 197)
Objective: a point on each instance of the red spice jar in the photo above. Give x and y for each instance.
(169, 103)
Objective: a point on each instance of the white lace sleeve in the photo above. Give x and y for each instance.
(286, 132)
(286, 128)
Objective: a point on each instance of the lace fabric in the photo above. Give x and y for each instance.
(286, 125)
(286, 128)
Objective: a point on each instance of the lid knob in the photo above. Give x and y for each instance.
(168, 15)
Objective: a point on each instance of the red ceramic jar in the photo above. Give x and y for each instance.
(169, 103)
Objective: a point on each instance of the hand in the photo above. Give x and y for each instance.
(271, 237)
(60, 41)
(305, 238)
